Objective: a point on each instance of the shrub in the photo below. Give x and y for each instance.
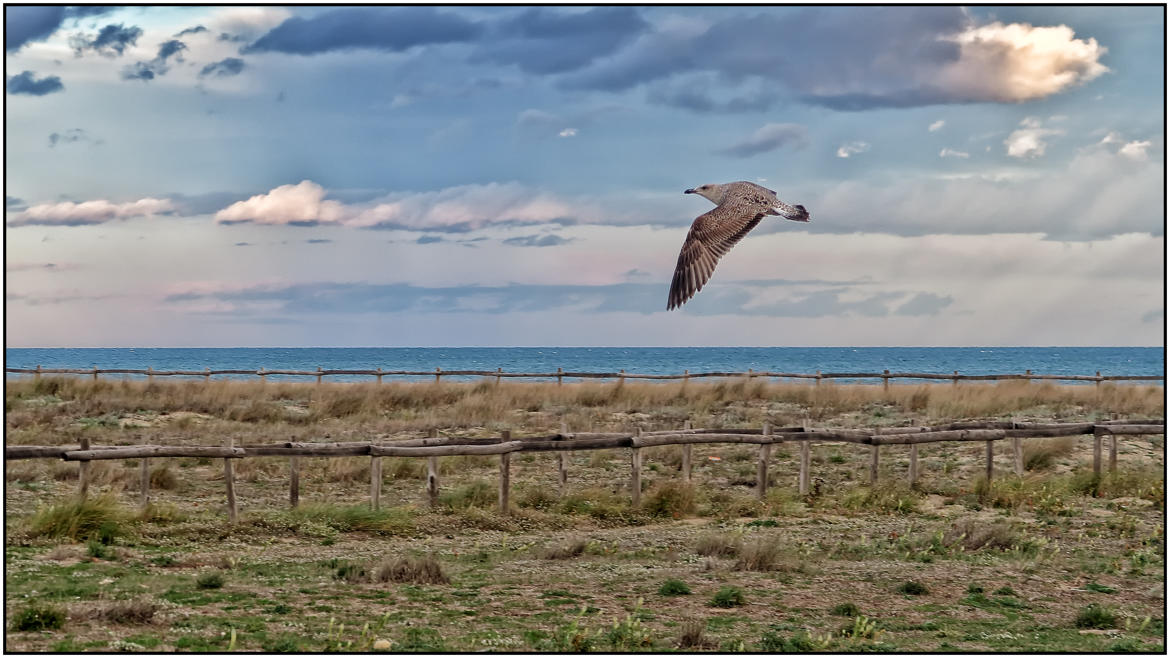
(351, 573)
(162, 477)
(718, 544)
(913, 588)
(1041, 453)
(356, 517)
(1005, 591)
(758, 555)
(425, 570)
(1095, 616)
(210, 580)
(537, 497)
(846, 610)
(973, 535)
(691, 634)
(670, 499)
(96, 549)
(564, 551)
(974, 588)
(137, 611)
(728, 597)
(674, 587)
(477, 494)
(1103, 589)
(38, 617)
(78, 520)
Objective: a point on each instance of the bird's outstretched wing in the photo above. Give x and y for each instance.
(712, 235)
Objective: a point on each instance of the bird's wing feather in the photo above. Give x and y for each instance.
(712, 235)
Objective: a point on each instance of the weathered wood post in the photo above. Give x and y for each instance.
(913, 465)
(1098, 433)
(886, 381)
(1113, 438)
(438, 373)
(874, 455)
(318, 374)
(230, 481)
(83, 471)
(144, 479)
(433, 476)
(805, 467)
(498, 371)
(206, 375)
(150, 374)
(95, 373)
(559, 375)
(686, 378)
(1018, 455)
(955, 380)
(990, 461)
(379, 375)
(636, 472)
(375, 481)
(505, 473)
(1097, 384)
(762, 465)
(818, 380)
(622, 377)
(294, 481)
(38, 375)
(686, 457)
(263, 375)
(563, 463)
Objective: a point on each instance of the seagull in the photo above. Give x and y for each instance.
(739, 207)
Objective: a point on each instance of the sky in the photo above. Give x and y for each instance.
(477, 176)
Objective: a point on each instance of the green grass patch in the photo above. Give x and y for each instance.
(38, 617)
(674, 587)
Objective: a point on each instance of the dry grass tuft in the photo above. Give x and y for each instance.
(162, 477)
(1041, 453)
(135, 611)
(565, 550)
(718, 544)
(425, 570)
(691, 634)
(760, 554)
(671, 499)
(973, 535)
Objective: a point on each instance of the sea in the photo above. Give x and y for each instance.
(641, 360)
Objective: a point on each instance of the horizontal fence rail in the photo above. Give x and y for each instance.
(563, 442)
(560, 374)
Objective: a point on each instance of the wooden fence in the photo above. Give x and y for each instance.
(765, 437)
(560, 374)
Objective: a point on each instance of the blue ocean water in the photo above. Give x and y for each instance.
(644, 360)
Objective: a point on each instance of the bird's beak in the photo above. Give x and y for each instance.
(688, 191)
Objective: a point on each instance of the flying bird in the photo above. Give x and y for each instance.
(739, 207)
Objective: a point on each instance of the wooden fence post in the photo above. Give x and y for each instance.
(636, 472)
(230, 482)
(563, 463)
(1098, 383)
(913, 465)
(622, 378)
(1018, 455)
(559, 374)
(95, 373)
(886, 381)
(1098, 433)
(433, 476)
(505, 474)
(294, 482)
(498, 371)
(38, 375)
(83, 471)
(990, 461)
(318, 374)
(379, 374)
(1113, 452)
(805, 467)
(144, 479)
(686, 457)
(762, 466)
(818, 380)
(150, 374)
(873, 463)
(955, 381)
(375, 482)
(206, 375)
(263, 376)
(438, 371)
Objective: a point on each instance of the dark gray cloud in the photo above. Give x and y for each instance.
(28, 83)
(111, 41)
(192, 30)
(14, 203)
(645, 298)
(138, 71)
(318, 241)
(549, 240)
(1156, 315)
(553, 41)
(697, 99)
(924, 303)
(225, 68)
(72, 136)
(429, 239)
(24, 25)
(378, 28)
(768, 138)
(169, 48)
(243, 244)
(146, 71)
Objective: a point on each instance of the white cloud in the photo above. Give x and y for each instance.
(303, 203)
(1028, 141)
(1135, 150)
(936, 126)
(952, 153)
(1020, 62)
(69, 213)
(568, 132)
(852, 148)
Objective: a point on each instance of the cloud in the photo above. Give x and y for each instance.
(1028, 141)
(158, 66)
(547, 41)
(952, 153)
(549, 240)
(377, 28)
(39, 267)
(13, 203)
(243, 244)
(110, 41)
(1156, 315)
(924, 303)
(302, 204)
(852, 148)
(936, 126)
(138, 71)
(694, 93)
(1135, 150)
(768, 138)
(572, 132)
(27, 83)
(858, 58)
(72, 136)
(24, 25)
(227, 68)
(69, 213)
(429, 239)
(192, 30)
(318, 241)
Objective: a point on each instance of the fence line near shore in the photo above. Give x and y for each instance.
(560, 374)
(765, 437)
